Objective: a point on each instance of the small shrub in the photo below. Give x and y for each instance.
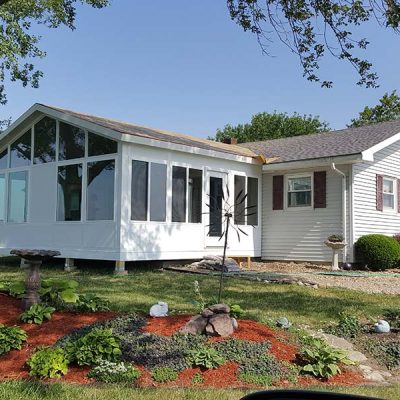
(111, 372)
(91, 303)
(36, 313)
(336, 238)
(377, 252)
(99, 344)
(206, 357)
(348, 326)
(236, 311)
(57, 292)
(17, 289)
(164, 374)
(392, 315)
(256, 379)
(11, 338)
(396, 237)
(323, 360)
(197, 378)
(48, 363)
(386, 351)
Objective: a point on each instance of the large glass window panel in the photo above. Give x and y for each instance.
(100, 190)
(195, 194)
(69, 197)
(240, 201)
(178, 194)
(44, 141)
(99, 145)
(4, 159)
(2, 197)
(20, 151)
(158, 192)
(72, 142)
(215, 206)
(18, 194)
(252, 201)
(299, 191)
(139, 190)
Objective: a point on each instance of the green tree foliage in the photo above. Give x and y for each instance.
(387, 110)
(266, 126)
(312, 29)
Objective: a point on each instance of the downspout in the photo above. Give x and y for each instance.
(344, 218)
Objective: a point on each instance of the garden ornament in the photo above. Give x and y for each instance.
(382, 326)
(159, 310)
(283, 322)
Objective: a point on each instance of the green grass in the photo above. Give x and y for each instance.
(143, 287)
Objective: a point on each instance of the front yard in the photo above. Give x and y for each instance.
(303, 306)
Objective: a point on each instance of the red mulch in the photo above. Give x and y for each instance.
(12, 365)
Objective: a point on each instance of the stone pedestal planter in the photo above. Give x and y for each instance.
(336, 248)
(33, 260)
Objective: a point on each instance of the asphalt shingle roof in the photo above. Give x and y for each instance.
(328, 144)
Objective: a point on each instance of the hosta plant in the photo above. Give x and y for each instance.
(323, 360)
(37, 313)
(11, 338)
(236, 311)
(17, 289)
(205, 357)
(91, 303)
(59, 291)
(164, 374)
(111, 372)
(48, 363)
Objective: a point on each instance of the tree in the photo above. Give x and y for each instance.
(18, 47)
(387, 110)
(265, 126)
(312, 29)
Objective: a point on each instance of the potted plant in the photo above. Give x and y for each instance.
(336, 243)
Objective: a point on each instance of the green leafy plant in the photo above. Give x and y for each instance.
(377, 252)
(392, 315)
(197, 378)
(348, 326)
(99, 344)
(111, 372)
(17, 289)
(236, 311)
(385, 350)
(48, 363)
(11, 337)
(164, 374)
(36, 313)
(59, 291)
(199, 301)
(256, 379)
(336, 238)
(91, 303)
(323, 360)
(206, 357)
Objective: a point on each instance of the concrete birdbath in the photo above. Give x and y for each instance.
(34, 259)
(336, 248)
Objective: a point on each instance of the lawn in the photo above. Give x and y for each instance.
(143, 287)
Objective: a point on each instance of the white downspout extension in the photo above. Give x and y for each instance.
(344, 219)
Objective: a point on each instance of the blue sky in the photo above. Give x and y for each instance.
(183, 65)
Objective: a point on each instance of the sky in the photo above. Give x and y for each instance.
(183, 65)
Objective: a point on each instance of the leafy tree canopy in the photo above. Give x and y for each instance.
(387, 109)
(312, 29)
(266, 126)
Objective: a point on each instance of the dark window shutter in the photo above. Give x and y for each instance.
(320, 189)
(398, 195)
(379, 191)
(277, 192)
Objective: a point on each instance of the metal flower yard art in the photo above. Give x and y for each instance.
(225, 217)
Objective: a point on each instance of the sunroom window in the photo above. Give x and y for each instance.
(195, 188)
(99, 145)
(179, 194)
(44, 141)
(140, 174)
(20, 151)
(252, 201)
(158, 192)
(2, 197)
(388, 193)
(299, 191)
(4, 159)
(17, 196)
(240, 200)
(72, 142)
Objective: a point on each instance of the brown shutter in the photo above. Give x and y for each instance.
(320, 189)
(398, 195)
(379, 191)
(277, 192)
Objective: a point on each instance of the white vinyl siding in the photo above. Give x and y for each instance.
(300, 234)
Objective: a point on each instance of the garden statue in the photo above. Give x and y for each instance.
(382, 326)
(159, 310)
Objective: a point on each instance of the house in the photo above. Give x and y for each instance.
(95, 188)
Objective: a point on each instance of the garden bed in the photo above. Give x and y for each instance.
(282, 348)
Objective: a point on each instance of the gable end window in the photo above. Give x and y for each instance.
(299, 191)
(388, 193)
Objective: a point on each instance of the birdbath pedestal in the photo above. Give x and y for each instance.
(34, 259)
(336, 247)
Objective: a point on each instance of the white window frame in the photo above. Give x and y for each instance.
(286, 194)
(394, 194)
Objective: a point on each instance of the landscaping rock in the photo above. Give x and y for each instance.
(356, 356)
(207, 313)
(195, 326)
(382, 326)
(220, 309)
(215, 263)
(220, 325)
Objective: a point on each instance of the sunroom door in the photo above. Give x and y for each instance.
(216, 190)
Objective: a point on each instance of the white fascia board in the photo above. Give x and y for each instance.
(318, 162)
(125, 137)
(368, 155)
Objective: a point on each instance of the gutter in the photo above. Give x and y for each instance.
(344, 217)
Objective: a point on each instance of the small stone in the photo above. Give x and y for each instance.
(207, 313)
(300, 283)
(220, 325)
(374, 376)
(234, 324)
(220, 309)
(385, 374)
(195, 326)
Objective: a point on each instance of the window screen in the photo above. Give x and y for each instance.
(178, 194)
(158, 192)
(240, 201)
(195, 194)
(139, 190)
(2, 197)
(4, 159)
(252, 201)
(18, 194)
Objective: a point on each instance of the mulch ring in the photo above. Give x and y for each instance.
(12, 364)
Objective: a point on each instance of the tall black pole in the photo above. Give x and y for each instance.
(228, 216)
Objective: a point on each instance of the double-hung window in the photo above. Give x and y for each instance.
(388, 193)
(299, 191)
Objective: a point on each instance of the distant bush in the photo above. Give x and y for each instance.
(377, 252)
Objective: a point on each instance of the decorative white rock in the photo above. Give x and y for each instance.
(159, 310)
(382, 326)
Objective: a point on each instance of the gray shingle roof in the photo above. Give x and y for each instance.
(328, 144)
(157, 134)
